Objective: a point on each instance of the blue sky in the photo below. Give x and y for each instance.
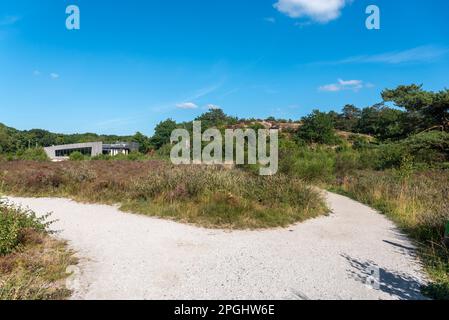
(134, 63)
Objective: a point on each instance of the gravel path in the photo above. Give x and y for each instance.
(125, 256)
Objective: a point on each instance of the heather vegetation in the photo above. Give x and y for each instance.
(209, 196)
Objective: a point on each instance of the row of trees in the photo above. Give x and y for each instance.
(404, 111)
(13, 140)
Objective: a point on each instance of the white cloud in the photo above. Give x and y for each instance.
(330, 87)
(54, 75)
(186, 105)
(8, 20)
(318, 10)
(354, 85)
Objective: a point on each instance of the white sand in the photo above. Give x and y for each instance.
(126, 256)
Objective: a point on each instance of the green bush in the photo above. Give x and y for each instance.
(14, 223)
(135, 156)
(316, 165)
(164, 151)
(389, 156)
(288, 156)
(33, 154)
(429, 147)
(359, 142)
(312, 165)
(347, 162)
(318, 127)
(77, 156)
(102, 157)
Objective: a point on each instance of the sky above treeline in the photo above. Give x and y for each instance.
(134, 63)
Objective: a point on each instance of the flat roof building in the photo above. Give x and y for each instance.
(91, 149)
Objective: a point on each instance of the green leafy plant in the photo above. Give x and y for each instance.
(76, 156)
(14, 223)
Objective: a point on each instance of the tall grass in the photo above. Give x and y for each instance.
(209, 196)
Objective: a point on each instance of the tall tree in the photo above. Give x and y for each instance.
(383, 122)
(430, 108)
(162, 133)
(318, 127)
(350, 116)
(143, 142)
(215, 118)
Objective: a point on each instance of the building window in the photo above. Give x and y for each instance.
(68, 152)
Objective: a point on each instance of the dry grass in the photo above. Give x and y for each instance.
(208, 196)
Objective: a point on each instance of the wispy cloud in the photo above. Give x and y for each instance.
(189, 102)
(9, 20)
(354, 85)
(420, 54)
(54, 76)
(321, 11)
(36, 73)
(270, 19)
(303, 24)
(186, 105)
(204, 92)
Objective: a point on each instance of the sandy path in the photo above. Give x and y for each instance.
(127, 256)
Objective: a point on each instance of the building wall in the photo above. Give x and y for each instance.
(97, 149)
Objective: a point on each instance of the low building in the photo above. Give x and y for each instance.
(91, 149)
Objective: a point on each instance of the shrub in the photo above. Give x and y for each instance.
(389, 156)
(429, 147)
(14, 224)
(164, 151)
(316, 165)
(288, 156)
(103, 157)
(359, 142)
(76, 156)
(34, 154)
(32, 265)
(346, 162)
(318, 128)
(425, 149)
(134, 156)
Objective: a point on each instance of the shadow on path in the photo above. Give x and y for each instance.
(398, 285)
